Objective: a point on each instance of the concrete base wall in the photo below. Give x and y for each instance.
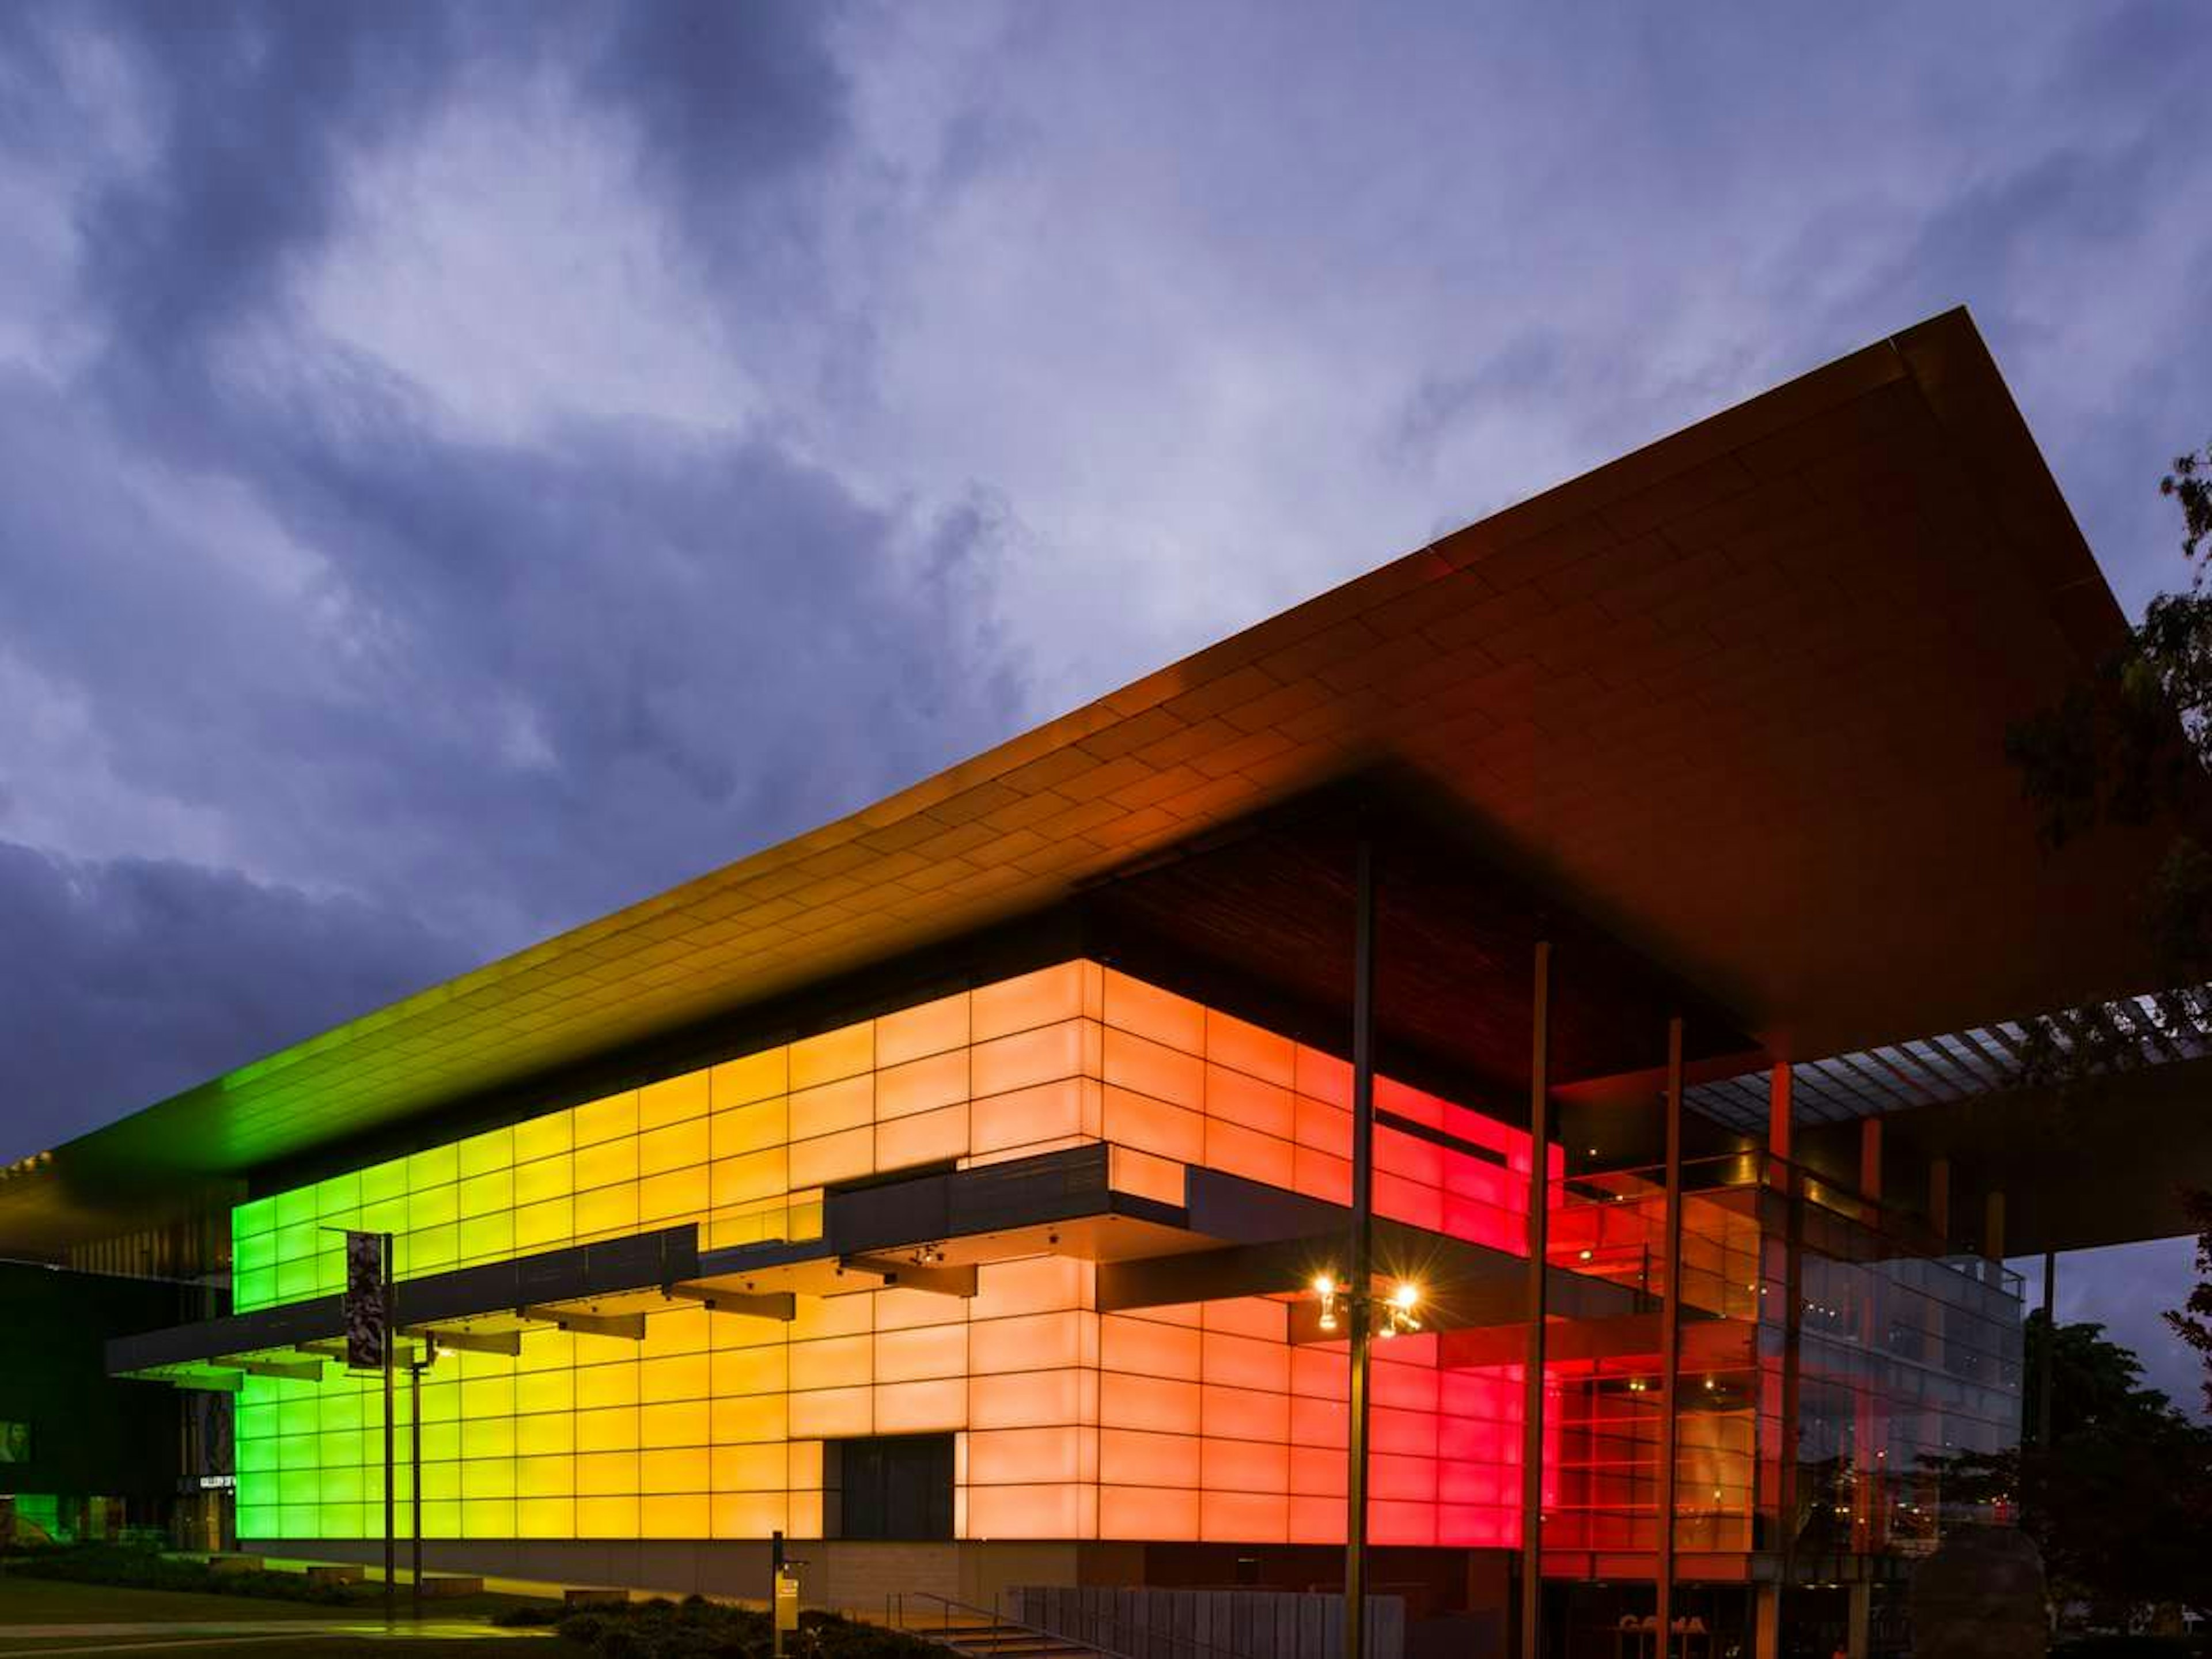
(837, 1573)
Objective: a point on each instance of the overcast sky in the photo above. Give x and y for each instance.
(462, 470)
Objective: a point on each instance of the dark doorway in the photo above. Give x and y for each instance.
(893, 1487)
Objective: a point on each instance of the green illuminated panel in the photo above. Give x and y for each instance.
(310, 1456)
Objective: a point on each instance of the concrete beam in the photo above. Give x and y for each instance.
(204, 1382)
(501, 1342)
(915, 1276)
(630, 1326)
(758, 1304)
(334, 1349)
(304, 1370)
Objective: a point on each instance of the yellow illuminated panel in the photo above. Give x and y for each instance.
(1200, 1422)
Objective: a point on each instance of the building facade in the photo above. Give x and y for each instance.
(948, 1187)
(1014, 1401)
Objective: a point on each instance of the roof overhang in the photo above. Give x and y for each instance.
(1736, 699)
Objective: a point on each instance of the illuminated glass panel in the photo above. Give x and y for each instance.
(1200, 1422)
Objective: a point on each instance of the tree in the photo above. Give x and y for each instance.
(2118, 1501)
(2134, 746)
(2192, 1320)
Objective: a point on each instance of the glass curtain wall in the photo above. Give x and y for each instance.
(1803, 1306)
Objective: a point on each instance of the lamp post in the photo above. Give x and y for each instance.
(428, 1356)
(391, 1331)
(1365, 1316)
(1363, 1240)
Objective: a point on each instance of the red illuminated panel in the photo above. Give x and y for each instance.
(1200, 1422)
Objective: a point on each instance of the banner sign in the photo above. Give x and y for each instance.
(366, 1323)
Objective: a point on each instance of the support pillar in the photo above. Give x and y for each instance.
(1859, 1627)
(1792, 1314)
(391, 1342)
(429, 1352)
(2050, 1344)
(1939, 1200)
(1766, 1621)
(1670, 1342)
(1779, 1109)
(1361, 1275)
(1869, 1487)
(1539, 1235)
(1993, 1228)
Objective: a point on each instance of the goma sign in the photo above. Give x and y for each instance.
(366, 1321)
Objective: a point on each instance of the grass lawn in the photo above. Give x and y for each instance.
(55, 1601)
(32, 1601)
(287, 1646)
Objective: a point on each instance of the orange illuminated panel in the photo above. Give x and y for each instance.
(1070, 991)
(1203, 1422)
(934, 1027)
(919, 1085)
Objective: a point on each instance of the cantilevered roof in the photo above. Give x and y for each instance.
(2132, 1034)
(1738, 698)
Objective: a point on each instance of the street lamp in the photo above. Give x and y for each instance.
(1389, 1315)
(1369, 1316)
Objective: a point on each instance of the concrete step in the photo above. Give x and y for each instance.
(1003, 1642)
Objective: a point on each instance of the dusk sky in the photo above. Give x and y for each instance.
(465, 469)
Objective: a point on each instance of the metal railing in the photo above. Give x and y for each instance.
(982, 1629)
(994, 1630)
(1127, 1636)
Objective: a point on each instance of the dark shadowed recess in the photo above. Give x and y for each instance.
(1259, 918)
(1256, 918)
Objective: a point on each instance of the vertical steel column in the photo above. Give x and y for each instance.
(1766, 1621)
(1540, 1238)
(1793, 1368)
(1360, 1277)
(1670, 1340)
(1869, 1422)
(390, 1340)
(1780, 1117)
(1858, 1630)
(2049, 1344)
(415, 1480)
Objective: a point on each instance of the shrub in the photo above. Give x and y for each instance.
(138, 1566)
(530, 1615)
(583, 1629)
(699, 1629)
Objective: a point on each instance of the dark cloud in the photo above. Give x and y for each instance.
(496, 687)
(712, 88)
(1536, 357)
(257, 107)
(127, 979)
(522, 685)
(1128, 331)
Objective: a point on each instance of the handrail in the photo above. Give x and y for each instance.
(1146, 1633)
(1636, 1186)
(998, 1623)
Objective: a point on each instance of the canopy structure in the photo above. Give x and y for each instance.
(1723, 718)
